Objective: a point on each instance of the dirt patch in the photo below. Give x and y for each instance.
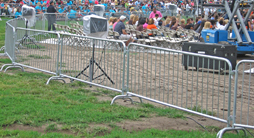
(161, 123)
(42, 129)
(164, 123)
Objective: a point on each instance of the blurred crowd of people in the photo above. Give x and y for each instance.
(155, 21)
(215, 17)
(13, 7)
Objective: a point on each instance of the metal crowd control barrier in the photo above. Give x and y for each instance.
(157, 74)
(30, 48)
(95, 61)
(38, 50)
(9, 37)
(243, 112)
(152, 73)
(9, 47)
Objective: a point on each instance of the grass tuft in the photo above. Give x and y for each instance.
(39, 57)
(198, 109)
(32, 46)
(5, 60)
(51, 127)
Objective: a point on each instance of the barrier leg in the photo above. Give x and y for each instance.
(224, 130)
(55, 78)
(141, 101)
(121, 97)
(11, 66)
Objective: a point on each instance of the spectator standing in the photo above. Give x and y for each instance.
(11, 10)
(188, 8)
(51, 17)
(152, 15)
(179, 10)
(206, 12)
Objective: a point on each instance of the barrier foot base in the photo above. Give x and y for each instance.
(11, 66)
(2, 54)
(55, 78)
(224, 130)
(121, 97)
(2, 48)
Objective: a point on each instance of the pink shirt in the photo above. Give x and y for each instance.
(152, 15)
(48, 3)
(114, 25)
(145, 25)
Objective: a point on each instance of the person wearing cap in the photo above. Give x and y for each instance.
(120, 28)
(51, 17)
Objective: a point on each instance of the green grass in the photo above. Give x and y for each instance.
(5, 60)
(118, 133)
(70, 71)
(39, 57)
(198, 109)
(169, 112)
(21, 59)
(63, 64)
(52, 127)
(2, 32)
(68, 103)
(31, 134)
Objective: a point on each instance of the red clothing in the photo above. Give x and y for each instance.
(96, 2)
